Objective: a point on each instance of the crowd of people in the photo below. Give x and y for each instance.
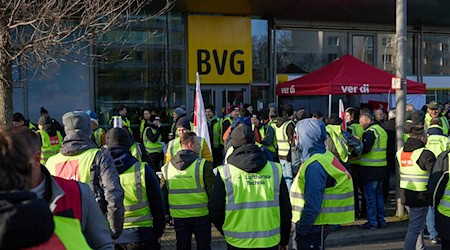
(80, 185)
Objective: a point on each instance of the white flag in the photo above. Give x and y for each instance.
(200, 123)
(342, 114)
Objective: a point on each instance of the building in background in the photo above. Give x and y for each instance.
(239, 47)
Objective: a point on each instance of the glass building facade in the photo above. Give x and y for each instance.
(146, 66)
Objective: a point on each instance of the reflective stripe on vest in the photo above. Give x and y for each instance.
(335, 134)
(76, 167)
(250, 197)
(187, 194)
(444, 121)
(444, 204)
(437, 144)
(412, 177)
(216, 132)
(338, 201)
(152, 147)
(136, 151)
(137, 211)
(50, 145)
(357, 131)
(377, 155)
(283, 139)
(142, 128)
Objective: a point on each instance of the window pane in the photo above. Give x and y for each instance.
(136, 68)
(363, 48)
(260, 47)
(436, 55)
(308, 50)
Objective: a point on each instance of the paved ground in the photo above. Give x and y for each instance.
(395, 245)
(348, 235)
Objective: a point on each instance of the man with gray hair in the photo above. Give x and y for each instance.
(373, 169)
(79, 159)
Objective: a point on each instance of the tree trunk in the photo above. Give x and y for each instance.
(6, 106)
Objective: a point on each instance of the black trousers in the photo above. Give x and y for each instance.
(200, 227)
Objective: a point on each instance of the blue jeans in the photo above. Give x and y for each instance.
(430, 223)
(286, 167)
(373, 191)
(416, 224)
(200, 227)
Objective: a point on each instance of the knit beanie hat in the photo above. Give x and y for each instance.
(44, 120)
(180, 111)
(183, 122)
(118, 137)
(241, 135)
(77, 120)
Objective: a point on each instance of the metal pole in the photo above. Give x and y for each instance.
(401, 72)
(329, 105)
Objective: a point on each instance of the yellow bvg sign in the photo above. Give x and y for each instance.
(220, 49)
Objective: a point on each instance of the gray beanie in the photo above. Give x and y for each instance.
(77, 120)
(180, 111)
(241, 135)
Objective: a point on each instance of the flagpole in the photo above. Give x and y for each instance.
(200, 123)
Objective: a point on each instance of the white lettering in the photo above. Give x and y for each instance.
(349, 89)
(292, 89)
(356, 89)
(284, 90)
(364, 88)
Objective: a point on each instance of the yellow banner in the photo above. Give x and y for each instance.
(220, 49)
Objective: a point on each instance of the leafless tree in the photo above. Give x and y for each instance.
(39, 32)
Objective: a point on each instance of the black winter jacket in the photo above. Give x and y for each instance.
(250, 159)
(436, 188)
(426, 161)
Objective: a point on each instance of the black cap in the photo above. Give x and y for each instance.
(183, 122)
(118, 137)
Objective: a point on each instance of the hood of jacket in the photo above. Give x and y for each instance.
(25, 220)
(183, 159)
(281, 120)
(248, 157)
(122, 158)
(435, 131)
(311, 136)
(412, 144)
(76, 142)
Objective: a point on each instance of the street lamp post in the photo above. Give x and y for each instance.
(400, 95)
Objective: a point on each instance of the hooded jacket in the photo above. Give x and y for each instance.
(182, 160)
(108, 192)
(92, 222)
(251, 159)
(123, 160)
(435, 191)
(26, 221)
(311, 136)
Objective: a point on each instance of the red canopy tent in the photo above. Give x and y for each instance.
(345, 76)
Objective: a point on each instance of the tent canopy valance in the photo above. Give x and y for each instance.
(345, 76)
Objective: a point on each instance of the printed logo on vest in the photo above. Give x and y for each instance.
(337, 164)
(54, 140)
(406, 159)
(68, 170)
